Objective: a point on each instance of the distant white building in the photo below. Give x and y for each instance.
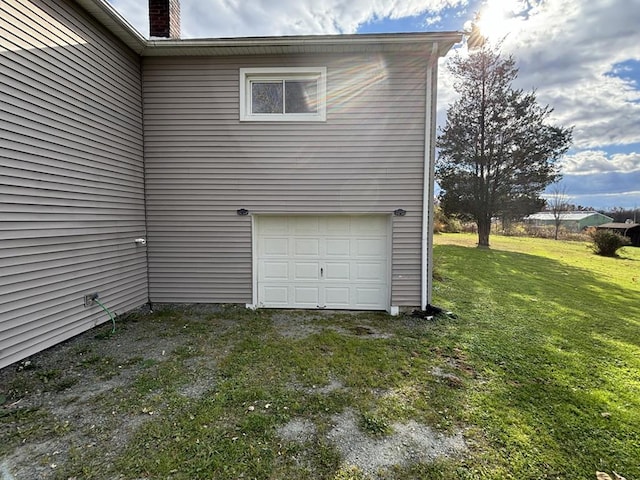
(573, 221)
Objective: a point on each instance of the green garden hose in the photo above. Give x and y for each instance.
(113, 320)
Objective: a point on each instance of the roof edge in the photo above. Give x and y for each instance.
(296, 43)
(619, 225)
(108, 16)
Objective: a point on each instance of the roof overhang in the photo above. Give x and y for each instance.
(108, 16)
(619, 225)
(414, 43)
(408, 43)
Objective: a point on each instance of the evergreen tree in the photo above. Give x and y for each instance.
(497, 152)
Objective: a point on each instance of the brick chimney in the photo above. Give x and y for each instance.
(164, 18)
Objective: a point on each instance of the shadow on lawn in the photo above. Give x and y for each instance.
(560, 349)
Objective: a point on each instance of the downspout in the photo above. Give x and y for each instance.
(144, 183)
(428, 181)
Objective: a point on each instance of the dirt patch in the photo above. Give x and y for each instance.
(305, 324)
(302, 327)
(75, 387)
(451, 379)
(297, 430)
(333, 386)
(366, 331)
(409, 443)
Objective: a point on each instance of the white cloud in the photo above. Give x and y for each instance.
(234, 18)
(432, 19)
(598, 161)
(597, 178)
(567, 50)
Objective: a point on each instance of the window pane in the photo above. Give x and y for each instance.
(301, 96)
(266, 97)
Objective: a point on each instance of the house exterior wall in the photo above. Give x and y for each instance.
(71, 163)
(203, 164)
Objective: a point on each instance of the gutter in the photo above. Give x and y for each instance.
(108, 16)
(358, 43)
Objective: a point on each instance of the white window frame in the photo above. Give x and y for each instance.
(248, 75)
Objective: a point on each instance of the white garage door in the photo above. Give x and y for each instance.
(336, 262)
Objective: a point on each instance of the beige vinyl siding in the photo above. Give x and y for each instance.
(71, 164)
(202, 164)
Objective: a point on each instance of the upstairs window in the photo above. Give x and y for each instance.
(283, 94)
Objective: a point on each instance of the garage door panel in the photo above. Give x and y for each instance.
(306, 247)
(368, 297)
(275, 295)
(304, 226)
(338, 247)
(273, 247)
(272, 270)
(338, 225)
(338, 297)
(368, 225)
(370, 271)
(278, 225)
(371, 247)
(306, 296)
(338, 271)
(323, 261)
(306, 271)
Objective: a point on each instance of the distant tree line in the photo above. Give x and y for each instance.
(620, 214)
(571, 207)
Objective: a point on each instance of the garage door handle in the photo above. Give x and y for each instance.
(321, 271)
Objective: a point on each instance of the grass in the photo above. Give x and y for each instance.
(553, 331)
(539, 369)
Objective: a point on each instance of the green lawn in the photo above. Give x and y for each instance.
(554, 334)
(539, 370)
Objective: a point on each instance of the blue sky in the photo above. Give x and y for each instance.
(581, 56)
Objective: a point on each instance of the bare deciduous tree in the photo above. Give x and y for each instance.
(558, 205)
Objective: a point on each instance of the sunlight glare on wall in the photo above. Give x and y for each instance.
(352, 79)
(13, 39)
